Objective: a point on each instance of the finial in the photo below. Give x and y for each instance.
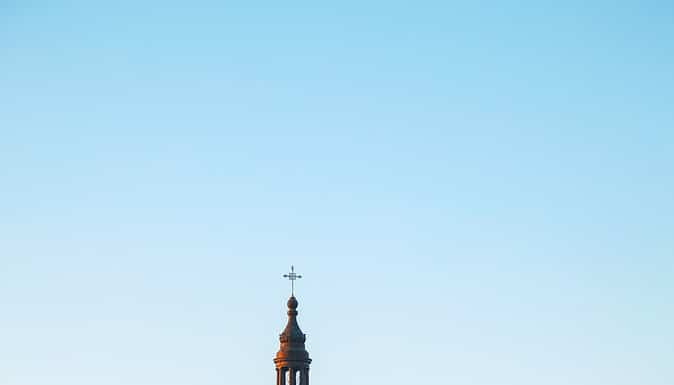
(292, 277)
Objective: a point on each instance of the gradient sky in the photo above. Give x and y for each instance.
(478, 193)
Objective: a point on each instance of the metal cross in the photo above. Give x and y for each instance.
(292, 277)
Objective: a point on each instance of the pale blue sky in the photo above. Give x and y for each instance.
(478, 193)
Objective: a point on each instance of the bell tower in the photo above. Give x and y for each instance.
(292, 360)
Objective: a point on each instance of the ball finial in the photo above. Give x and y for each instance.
(292, 303)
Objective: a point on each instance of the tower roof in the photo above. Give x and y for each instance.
(292, 352)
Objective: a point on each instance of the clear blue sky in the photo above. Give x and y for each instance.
(478, 193)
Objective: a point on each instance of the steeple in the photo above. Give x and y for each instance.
(292, 359)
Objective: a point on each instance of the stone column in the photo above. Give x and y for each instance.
(293, 376)
(304, 376)
(281, 376)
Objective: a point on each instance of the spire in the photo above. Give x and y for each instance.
(292, 360)
(292, 350)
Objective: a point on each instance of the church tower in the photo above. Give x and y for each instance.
(292, 360)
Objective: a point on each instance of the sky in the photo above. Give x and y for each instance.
(476, 193)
